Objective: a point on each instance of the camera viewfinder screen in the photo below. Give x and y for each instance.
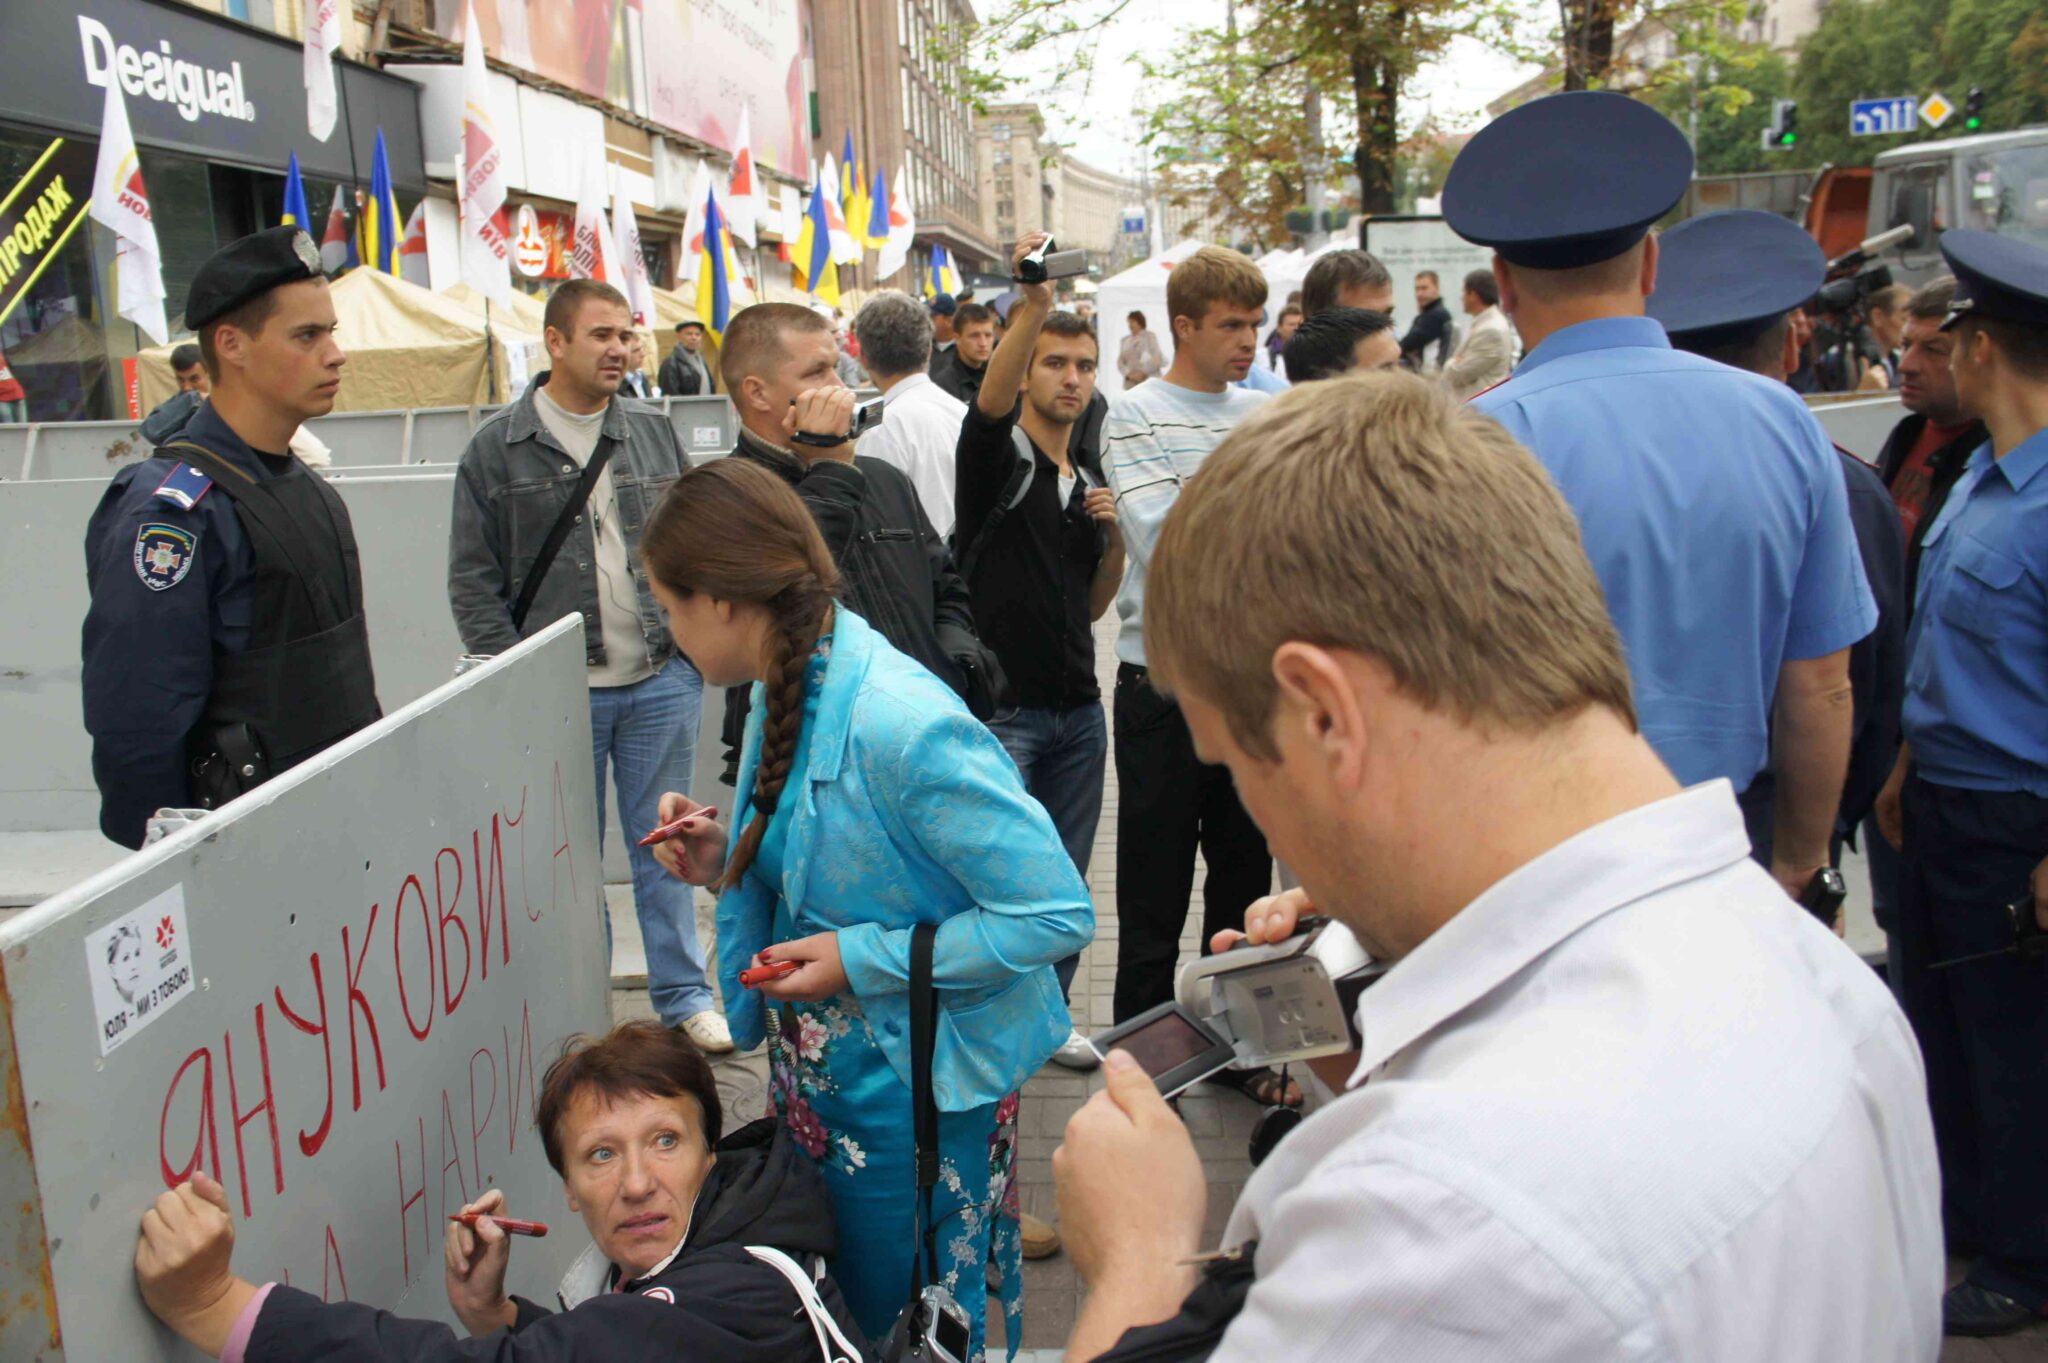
(1163, 1044)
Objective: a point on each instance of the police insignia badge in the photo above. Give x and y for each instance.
(309, 254)
(163, 555)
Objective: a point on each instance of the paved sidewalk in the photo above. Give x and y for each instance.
(1219, 1120)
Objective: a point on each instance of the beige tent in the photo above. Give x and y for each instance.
(407, 347)
(525, 314)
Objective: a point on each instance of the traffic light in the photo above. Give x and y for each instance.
(1973, 109)
(1784, 129)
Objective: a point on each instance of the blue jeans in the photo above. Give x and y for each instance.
(649, 732)
(1062, 755)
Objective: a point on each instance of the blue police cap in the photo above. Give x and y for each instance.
(1567, 180)
(1723, 278)
(942, 305)
(1998, 277)
(248, 267)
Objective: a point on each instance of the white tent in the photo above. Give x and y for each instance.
(1142, 288)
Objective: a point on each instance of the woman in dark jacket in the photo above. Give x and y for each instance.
(676, 1218)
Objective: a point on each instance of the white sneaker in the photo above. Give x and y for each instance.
(709, 1031)
(1075, 1053)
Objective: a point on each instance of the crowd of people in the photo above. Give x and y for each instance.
(1560, 682)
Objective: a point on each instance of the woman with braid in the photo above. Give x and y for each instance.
(869, 800)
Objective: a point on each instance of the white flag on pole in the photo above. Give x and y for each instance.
(902, 228)
(594, 256)
(693, 222)
(120, 201)
(743, 199)
(845, 250)
(323, 40)
(485, 253)
(635, 284)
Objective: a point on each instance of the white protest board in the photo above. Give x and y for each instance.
(385, 947)
(1409, 245)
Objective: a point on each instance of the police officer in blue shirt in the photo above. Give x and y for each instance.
(1710, 500)
(225, 641)
(1969, 796)
(1727, 285)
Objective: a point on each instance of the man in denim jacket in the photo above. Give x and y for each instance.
(521, 469)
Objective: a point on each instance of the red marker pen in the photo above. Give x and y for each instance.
(669, 830)
(774, 970)
(507, 1224)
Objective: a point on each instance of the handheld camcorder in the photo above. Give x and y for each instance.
(866, 416)
(1252, 1007)
(1046, 263)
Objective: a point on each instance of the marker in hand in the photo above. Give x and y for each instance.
(773, 970)
(670, 830)
(507, 1224)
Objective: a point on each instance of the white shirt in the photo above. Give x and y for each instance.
(626, 659)
(1631, 1103)
(920, 434)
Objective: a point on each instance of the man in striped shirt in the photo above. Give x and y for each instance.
(1155, 438)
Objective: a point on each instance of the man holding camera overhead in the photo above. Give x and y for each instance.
(1711, 501)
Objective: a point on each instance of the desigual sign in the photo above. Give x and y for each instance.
(162, 75)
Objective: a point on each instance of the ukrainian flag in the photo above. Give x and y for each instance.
(943, 278)
(813, 269)
(877, 225)
(296, 214)
(714, 283)
(853, 194)
(382, 227)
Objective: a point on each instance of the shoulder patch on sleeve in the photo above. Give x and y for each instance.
(163, 555)
(185, 486)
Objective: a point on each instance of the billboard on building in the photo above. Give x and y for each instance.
(685, 64)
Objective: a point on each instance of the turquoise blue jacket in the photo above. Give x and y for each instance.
(913, 813)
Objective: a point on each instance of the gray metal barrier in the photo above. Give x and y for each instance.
(439, 435)
(706, 425)
(357, 439)
(14, 446)
(84, 449)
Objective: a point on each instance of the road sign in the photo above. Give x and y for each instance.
(1876, 117)
(1935, 110)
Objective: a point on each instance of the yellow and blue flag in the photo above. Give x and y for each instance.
(854, 193)
(381, 229)
(942, 278)
(714, 281)
(877, 225)
(813, 269)
(296, 214)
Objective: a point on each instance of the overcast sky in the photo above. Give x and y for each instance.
(1098, 119)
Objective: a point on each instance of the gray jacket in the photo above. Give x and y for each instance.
(514, 479)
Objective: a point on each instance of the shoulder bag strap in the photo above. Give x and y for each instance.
(559, 531)
(923, 1032)
(1012, 496)
(822, 1324)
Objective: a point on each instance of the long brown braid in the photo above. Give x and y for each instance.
(738, 533)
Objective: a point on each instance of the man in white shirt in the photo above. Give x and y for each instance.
(921, 422)
(1487, 354)
(1618, 1097)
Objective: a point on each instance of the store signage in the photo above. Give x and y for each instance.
(40, 212)
(161, 75)
(529, 247)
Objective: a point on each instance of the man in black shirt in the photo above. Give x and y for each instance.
(1037, 540)
(974, 336)
(1428, 342)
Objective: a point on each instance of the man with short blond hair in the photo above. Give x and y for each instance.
(1155, 438)
(1439, 737)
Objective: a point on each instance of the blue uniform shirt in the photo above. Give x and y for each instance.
(172, 574)
(1713, 509)
(1977, 655)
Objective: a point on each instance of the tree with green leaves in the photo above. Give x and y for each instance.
(1731, 96)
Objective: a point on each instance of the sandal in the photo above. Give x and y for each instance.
(1267, 1087)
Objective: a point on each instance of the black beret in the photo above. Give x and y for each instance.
(1567, 180)
(1726, 277)
(245, 269)
(1997, 276)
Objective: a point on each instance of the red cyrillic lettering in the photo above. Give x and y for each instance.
(268, 1106)
(483, 895)
(207, 1137)
(309, 1145)
(332, 1255)
(451, 1162)
(405, 1203)
(512, 1074)
(449, 908)
(476, 1128)
(353, 966)
(412, 883)
(560, 825)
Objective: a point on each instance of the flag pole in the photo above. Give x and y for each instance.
(348, 131)
(490, 353)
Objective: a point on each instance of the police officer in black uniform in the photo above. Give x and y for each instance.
(226, 642)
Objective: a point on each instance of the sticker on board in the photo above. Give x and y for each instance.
(139, 965)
